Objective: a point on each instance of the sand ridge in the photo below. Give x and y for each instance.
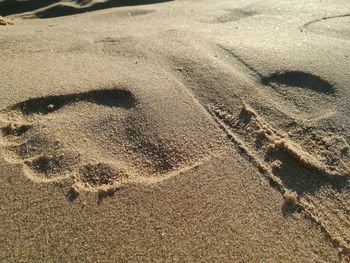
(5, 22)
(265, 152)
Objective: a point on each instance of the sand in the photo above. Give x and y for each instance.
(175, 131)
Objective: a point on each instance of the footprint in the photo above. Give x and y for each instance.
(233, 15)
(121, 14)
(299, 158)
(309, 95)
(307, 100)
(100, 176)
(51, 165)
(36, 146)
(296, 93)
(334, 26)
(49, 104)
(299, 79)
(96, 138)
(119, 46)
(14, 129)
(124, 47)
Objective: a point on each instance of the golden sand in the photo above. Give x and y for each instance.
(175, 131)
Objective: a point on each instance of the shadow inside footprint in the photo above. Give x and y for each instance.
(15, 129)
(50, 165)
(106, 97)
(100, 174)
(300, 79)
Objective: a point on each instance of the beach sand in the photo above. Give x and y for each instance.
(175, 131)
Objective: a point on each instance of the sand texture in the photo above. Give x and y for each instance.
(175, 131)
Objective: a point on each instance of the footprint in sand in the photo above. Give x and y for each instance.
(95, 138)
(334, 26)
(233, 15)
(300, 79)
(308, 104)
(309, 96)
(122, 14)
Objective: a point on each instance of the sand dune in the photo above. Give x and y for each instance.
(174, 131)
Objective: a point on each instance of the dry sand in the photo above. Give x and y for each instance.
(180, 131)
